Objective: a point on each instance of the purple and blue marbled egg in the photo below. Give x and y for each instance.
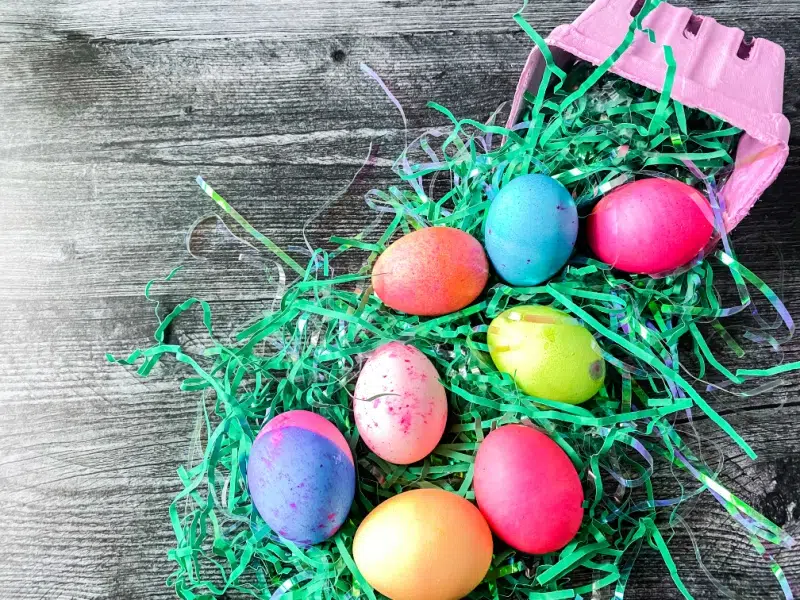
(301, 476)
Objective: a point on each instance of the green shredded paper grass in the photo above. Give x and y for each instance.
(592, 131)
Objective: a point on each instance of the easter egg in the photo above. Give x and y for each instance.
(530, 229)
(432, 271)
(425, 544)
(651, 226)
(301, 476)
(528, 489)
(400, 407)
(549, 354)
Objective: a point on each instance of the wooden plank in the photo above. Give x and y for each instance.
(108, 110)
(149, 20)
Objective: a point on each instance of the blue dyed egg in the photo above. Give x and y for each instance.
(530, 229)
(301, 476)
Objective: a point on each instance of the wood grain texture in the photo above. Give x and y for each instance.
(108, 111)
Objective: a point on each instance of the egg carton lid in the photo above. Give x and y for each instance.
(717, 71)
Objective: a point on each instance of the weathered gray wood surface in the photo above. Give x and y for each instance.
(110, 108)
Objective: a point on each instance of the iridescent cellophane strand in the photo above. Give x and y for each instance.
(592, 131)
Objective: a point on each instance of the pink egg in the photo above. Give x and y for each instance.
(652, 226)
(400, 406)
(528, 489)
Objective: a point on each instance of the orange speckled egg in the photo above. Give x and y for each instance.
(400, 407)
(430, 272)
(424, 544)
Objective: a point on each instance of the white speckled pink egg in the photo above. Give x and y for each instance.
(400, 406)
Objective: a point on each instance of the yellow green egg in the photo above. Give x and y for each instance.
(549, 354)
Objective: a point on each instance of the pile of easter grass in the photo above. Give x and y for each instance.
(592, 131)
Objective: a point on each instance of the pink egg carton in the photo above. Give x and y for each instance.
(718, 71)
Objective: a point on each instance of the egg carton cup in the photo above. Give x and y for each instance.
(718, 72)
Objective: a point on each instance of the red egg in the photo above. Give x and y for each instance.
(528, 489)
(430, 272)
(651, 226)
